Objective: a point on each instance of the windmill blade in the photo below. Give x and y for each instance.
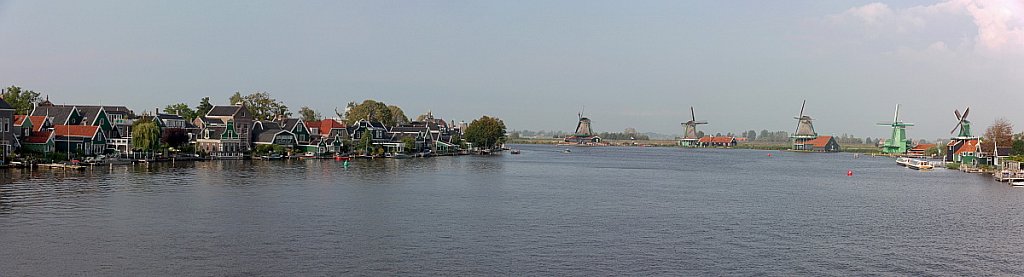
(693, 116)
(896, 118)
(700, 122)
(884, 124)
(966, 112)
(957, 113)
(956, 127)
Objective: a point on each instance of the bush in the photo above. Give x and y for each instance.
(953, 165)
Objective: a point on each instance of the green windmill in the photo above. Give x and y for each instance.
(963, 124)
(898, 142)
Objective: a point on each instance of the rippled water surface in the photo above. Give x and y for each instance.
(595, 211)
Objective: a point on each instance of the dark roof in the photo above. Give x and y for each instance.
(89, 113)
(267, 125)
(1003, 151)
(60, 115)
(289, 123)
(4, 105)
(409, 129)
(223, 111)
(268, 135)
(165, 116)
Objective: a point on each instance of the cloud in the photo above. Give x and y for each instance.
(998, 25)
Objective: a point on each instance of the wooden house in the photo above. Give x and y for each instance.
(713, 141)
(271, 133)
(221, 141)
(84, 139)
(238, 115)
(821, 144)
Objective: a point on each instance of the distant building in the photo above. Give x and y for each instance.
(821, 144)
(716, 142)
(584, 134)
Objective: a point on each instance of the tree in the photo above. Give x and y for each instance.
(933, 151)
(397, 116)
(374, 111)
(145, 135)
(22, 100)
(365, 141)
(181, 109)
(204, 107)
(1001, 131)
(409, 144)
(262, 106)
(236, 99)
(1018, 147)
(174, 137)
(486, 132)
(308, 114)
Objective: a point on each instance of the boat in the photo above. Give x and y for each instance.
(514, 151)
(920, 165)
(401, 156)
(1017, 184)
(271, 157)
(905, 162)
(567, 151)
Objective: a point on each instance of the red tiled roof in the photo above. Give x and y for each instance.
(39, 137)
(325, 126)
(923, 147)
(969, 146)
(821, 141)
(37, 122)
(76, 130)
(716, 140)
(19, 119)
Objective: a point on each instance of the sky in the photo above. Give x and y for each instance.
(742, 65)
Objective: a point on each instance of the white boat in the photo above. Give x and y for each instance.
(903, 161)
(1017, 184)
(920, 165)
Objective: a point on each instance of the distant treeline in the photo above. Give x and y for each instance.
(632, 135)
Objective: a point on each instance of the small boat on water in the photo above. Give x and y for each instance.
(1017, 184)
(914, 163)
(514, 151)
(272, 157)
(567, 151)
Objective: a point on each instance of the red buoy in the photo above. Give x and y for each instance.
(769, 154)
(849, 173)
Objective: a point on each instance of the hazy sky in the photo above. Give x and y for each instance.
(642, 64)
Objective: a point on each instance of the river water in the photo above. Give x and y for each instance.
(594, 211)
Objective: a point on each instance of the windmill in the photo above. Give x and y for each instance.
(690, 130)
(804, 127)
(898, 142)
(963, 147)
(583, 127)
(962, 124)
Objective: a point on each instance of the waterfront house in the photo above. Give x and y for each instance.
(713, 141)
(271, 133)
(41, 142)
(962, 151)
(377, 131)
(240, 117)
(174, 121)
(920, 149)
(96, 116)
(298, 128)
(8, 140)
(221, 141)
(26, 125)
(327, 128)
(83, 139)
(821, 144)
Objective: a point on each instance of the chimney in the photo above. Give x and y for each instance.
(157, 111)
